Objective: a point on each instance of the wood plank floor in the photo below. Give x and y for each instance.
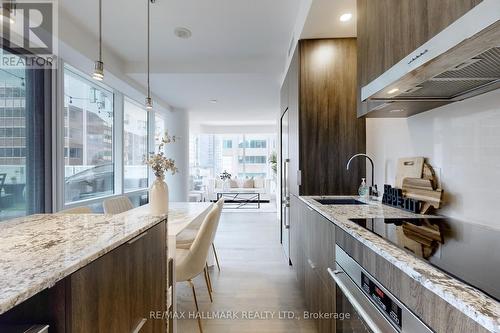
(254, 278)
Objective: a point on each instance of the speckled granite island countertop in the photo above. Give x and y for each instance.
(473, 303)
(39, 250)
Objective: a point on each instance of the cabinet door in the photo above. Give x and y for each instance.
(99, 297)
(389, 30)
(327, 307)
(330, 132)
(322, 244)
(297, 239)
(116, 292)
(147, 278)
(442, 13)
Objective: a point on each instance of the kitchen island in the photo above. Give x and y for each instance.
(456, 306)
(89, 272)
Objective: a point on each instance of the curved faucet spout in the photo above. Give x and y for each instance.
(373, 187)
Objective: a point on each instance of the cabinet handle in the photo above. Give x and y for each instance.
(139, 325)
(133, 240)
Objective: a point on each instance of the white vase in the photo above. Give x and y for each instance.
(225, 185)
(158, 197)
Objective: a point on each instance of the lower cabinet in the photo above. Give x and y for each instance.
(312, 251)
(113, 294)
(117, 292)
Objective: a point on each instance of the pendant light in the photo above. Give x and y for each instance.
(149, 100)
(99, 65)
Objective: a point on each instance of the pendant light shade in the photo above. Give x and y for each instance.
(99, 65)
(149, 100)
(98, 71)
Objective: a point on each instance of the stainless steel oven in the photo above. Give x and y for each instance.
(365, 304)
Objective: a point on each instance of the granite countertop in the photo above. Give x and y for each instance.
(39, 250)
(475, 304)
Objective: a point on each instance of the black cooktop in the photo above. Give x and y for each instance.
(469, 252)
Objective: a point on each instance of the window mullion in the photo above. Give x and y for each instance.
(118, 146)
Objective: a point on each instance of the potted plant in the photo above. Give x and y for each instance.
(158, 192)
(273, 161)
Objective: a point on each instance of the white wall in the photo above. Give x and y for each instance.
(461, 141)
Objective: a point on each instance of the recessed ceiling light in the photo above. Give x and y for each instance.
(392, 91)
(396, 110)
(213, 101)
(345, 17)
(183, 33)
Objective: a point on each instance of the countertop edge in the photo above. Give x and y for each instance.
(488, 322)
(50, 282)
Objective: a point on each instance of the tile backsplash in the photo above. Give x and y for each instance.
(461, 141)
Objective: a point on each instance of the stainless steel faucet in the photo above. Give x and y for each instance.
(373, 188)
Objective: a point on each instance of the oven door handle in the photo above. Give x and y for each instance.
(339, 276)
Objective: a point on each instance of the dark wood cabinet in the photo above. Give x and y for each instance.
(97, 295)
(313, 251)
(320, 91)
(113, 294)
(117, 292)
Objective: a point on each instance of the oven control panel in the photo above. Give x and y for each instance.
(382, 300)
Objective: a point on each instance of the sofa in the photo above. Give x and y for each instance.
(257, 185)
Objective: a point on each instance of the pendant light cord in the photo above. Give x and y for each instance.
(100, 30)
(149, 32)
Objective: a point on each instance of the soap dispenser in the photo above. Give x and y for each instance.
(363, 189)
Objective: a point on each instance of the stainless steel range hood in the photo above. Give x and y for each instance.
(460, 62)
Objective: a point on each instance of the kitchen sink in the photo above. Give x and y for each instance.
(340, 201)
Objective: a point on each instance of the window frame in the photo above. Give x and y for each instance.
(118, 141)
(148, 140)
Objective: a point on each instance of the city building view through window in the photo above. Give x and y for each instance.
(88, 139)
(244, 156)
(12, 143)
(135, 141)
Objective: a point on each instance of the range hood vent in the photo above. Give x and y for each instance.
(460, 62)
(477, 72)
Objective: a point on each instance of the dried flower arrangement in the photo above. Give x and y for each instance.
(158, 161)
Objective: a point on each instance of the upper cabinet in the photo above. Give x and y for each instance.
(324, 132)
(398, 32)
(389, 30)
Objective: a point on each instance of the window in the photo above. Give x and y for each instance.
(135, 146)
(211, 154)
(88, 141)
(253, 144)
(253, 159)
(12, 142)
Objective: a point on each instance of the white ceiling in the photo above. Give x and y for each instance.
(323, 20)
(236, 55)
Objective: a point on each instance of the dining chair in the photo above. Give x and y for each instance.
(77, 210)
(117, 205)
(187, 236)
(191, 262)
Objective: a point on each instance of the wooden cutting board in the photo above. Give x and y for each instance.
(410, 167)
